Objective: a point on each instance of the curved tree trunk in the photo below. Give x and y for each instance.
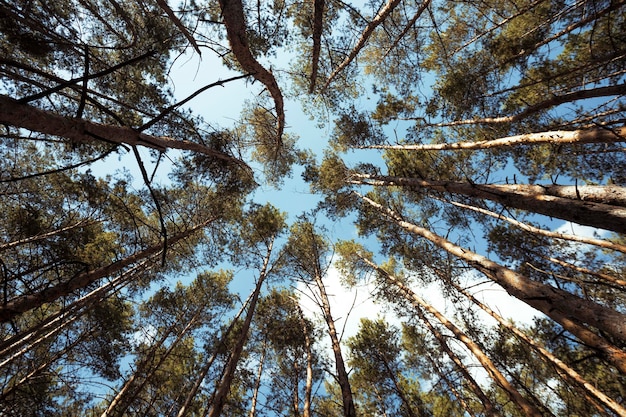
(234, 20)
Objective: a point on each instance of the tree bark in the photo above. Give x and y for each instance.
(318, 24)
(597, 135)
(219, 400)
(342, 376)
(606, 244)
(603, 207)
(234, 20)
(567, 309)
(23, 116)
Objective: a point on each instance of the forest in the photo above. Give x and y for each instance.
(459, 162)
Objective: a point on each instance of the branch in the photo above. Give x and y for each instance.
(176, 21)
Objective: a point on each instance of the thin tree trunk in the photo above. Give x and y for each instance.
(59, 320)
(342, 375)
(606, 244)
(257, 384)
(563, 307)
(597, 206)
(123, 399)
(360, 43)
(184, 409)
(565, 371)
(620, 283)
(488, 408)
(596, 135)
(42, 236)
(606, 91)
(21, 304)
(409, 26)
(308, 387)
(229, 372)
(526, 406)
(14, 113)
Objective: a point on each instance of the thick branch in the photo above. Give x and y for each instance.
(232, 13)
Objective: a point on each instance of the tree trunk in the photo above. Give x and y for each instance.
(342, 375)
(601, 243)
(597, 135)
(596, 206)
(207, 366)
(229, 372)
(565, 371)
(236, 31)
(360, 43)
(23, 116)
(563, 307)
(24, 303)
(257, 384)
(526, 406)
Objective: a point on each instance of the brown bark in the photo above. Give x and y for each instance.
(603, 207)
(24, 303)
(565, 371)
(342, 375)
(606, 244)
(234, 20)
(567, 309)
(31, 118)
(219, 400)
(526, 406)
(318, 21)
(362, 41)
(607, 91)
(596, 135)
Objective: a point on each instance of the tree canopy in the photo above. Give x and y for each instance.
(156, 260)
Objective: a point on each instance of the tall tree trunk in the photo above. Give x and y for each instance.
(567, 309)
(342, 375)
(308, 386)
(229, 371)
(565, 371)
(601, 243)
(132, 388)
(597, 206)
(24, 303)
(184, 409)
(257, 384)
(596, 135)
(526, 406)
(56, 322)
